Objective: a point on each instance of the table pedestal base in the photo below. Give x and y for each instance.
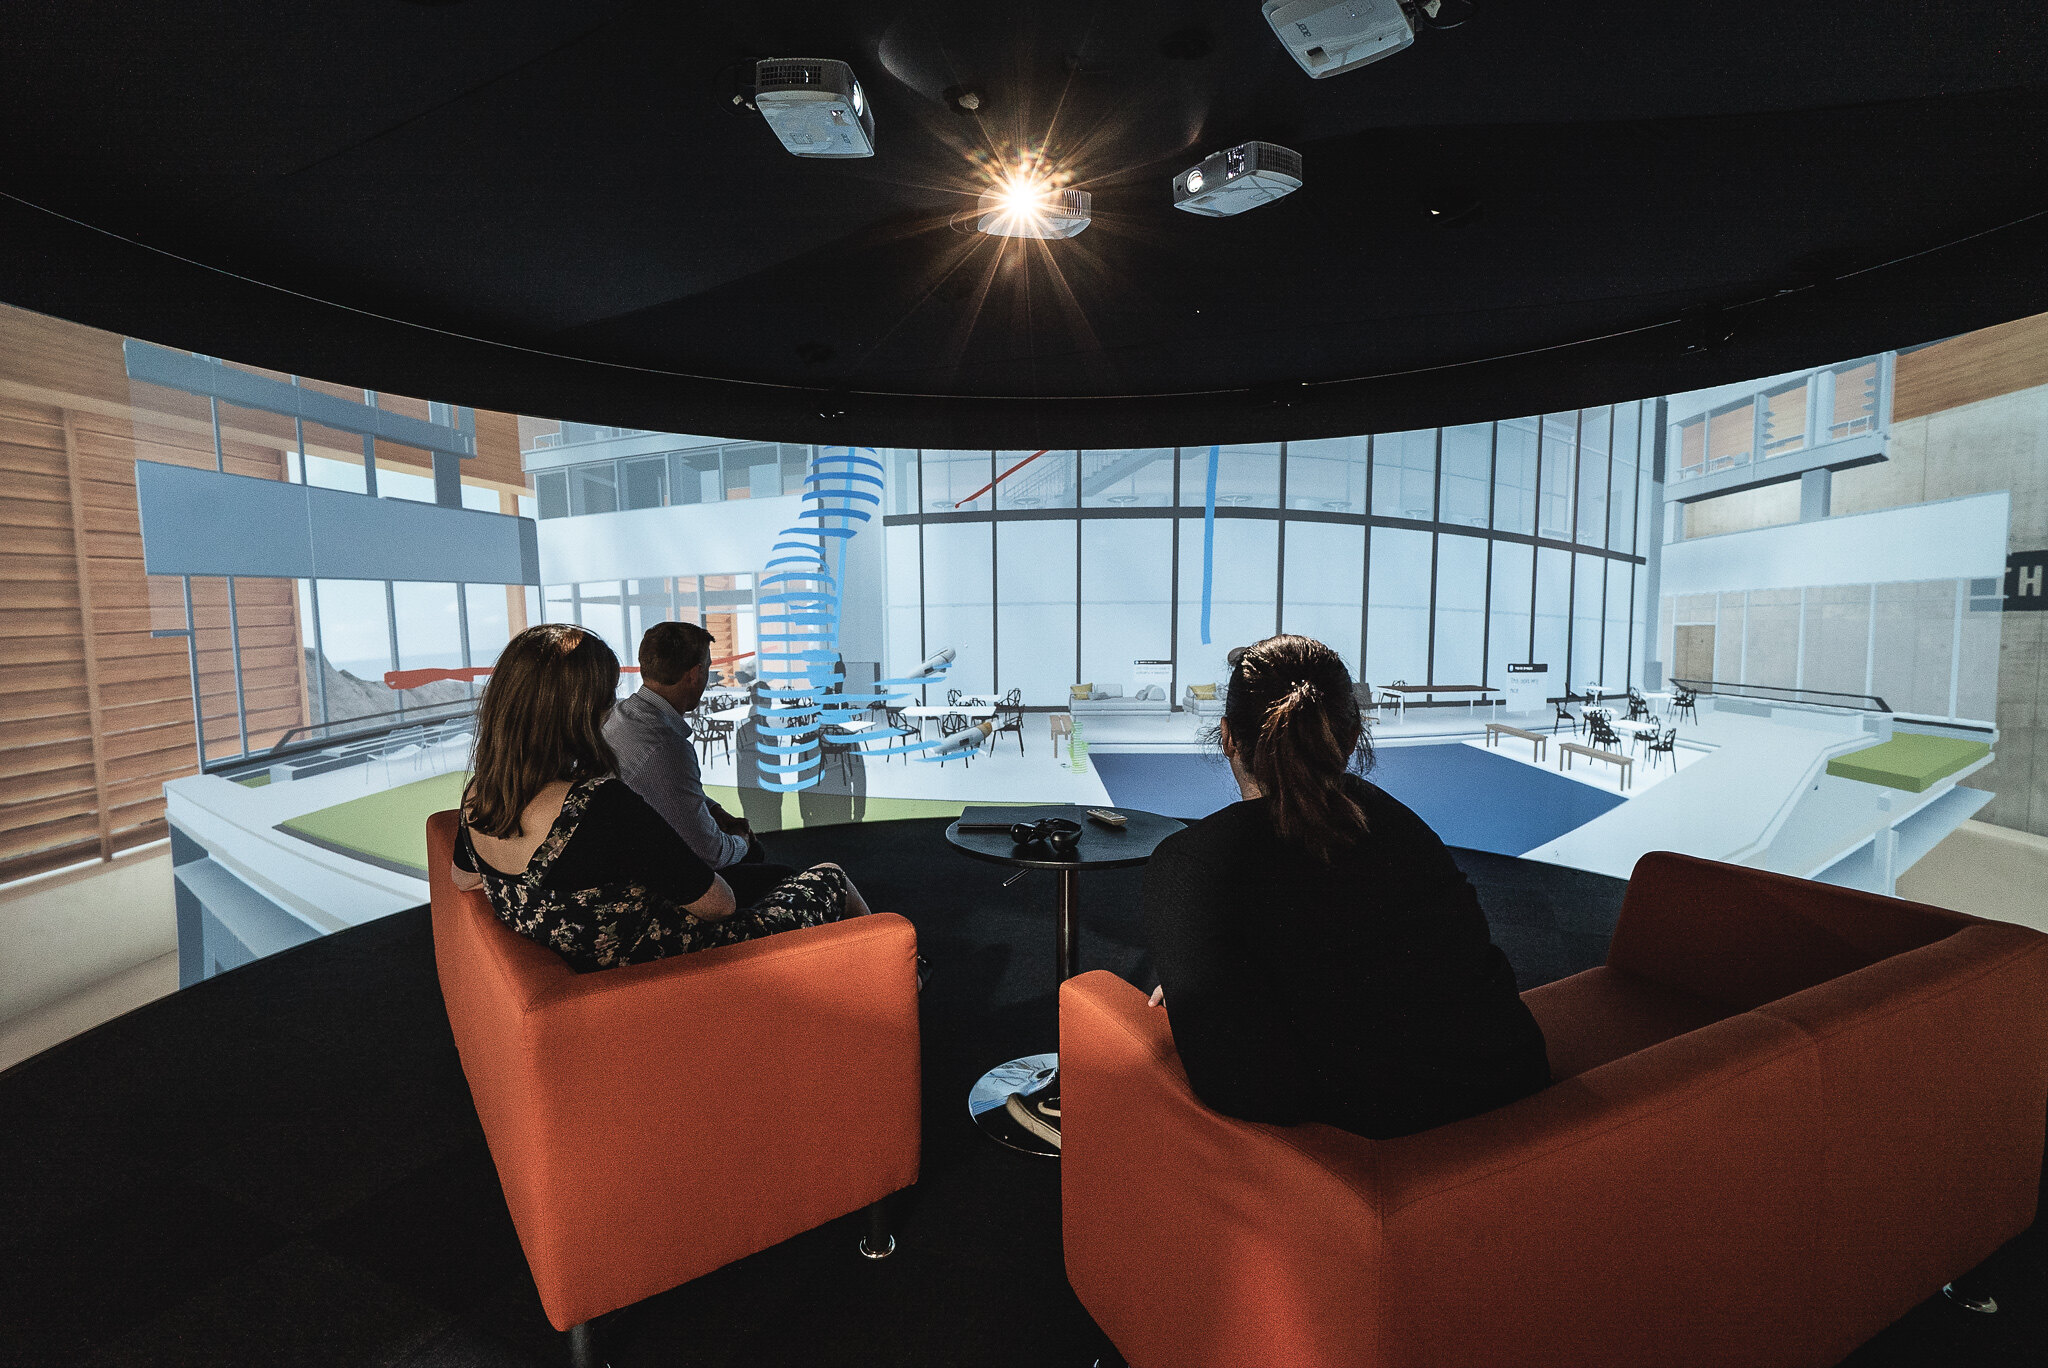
(985, 1101)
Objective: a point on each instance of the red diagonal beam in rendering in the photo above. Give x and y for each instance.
(412, 679)
(1002, 477)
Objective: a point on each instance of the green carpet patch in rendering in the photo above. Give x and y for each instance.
(389, 828)
(1912, 761)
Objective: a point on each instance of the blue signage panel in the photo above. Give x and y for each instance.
(203, 522)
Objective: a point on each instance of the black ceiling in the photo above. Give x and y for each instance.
(555, 207)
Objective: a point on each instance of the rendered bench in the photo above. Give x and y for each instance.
(1496, 730)
(1567, 749)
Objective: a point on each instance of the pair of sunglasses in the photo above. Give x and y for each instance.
(1061, 834)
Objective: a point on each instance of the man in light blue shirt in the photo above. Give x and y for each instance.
(658, 759)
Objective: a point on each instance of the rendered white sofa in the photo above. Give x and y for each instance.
(1110, 701)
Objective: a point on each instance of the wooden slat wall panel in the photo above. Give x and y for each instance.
(96, 714)
(17, 761)
(20, 732)
(133, 794)
(34, 514)
(76, 625)
(35, 650)
(18, 456)
(1978, 365)
(28, 847)
(78, 803)
(46, 783)
(29, 413)
(38, 621)
(116, 719)
(17, 679)
(39, 541)
(27, 703)
(54, 858)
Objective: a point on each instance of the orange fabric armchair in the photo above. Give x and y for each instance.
(1784, 1114)
(653, 1123)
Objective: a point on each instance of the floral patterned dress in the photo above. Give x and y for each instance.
(609, 884)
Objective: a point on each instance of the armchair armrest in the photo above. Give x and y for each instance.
(696, 1109)
(1742, 937)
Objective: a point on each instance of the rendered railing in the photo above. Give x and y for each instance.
(1772, 693)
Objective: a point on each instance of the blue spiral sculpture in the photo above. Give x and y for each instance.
(802, 677)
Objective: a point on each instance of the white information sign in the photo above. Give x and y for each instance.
(1528, 688)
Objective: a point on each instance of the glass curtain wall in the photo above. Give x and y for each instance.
(657, 478)
(1928, 648)
(1417, 555)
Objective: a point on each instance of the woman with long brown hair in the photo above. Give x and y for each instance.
(1322, 956)
(573, 858)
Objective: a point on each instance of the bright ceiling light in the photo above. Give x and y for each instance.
(1024, 207)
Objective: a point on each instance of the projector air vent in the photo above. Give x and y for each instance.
(785, 74)
(1284, 160)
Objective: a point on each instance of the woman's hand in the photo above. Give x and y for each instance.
(717, 903)
(1158, 998)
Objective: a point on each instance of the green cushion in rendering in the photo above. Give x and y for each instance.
(1912, 761)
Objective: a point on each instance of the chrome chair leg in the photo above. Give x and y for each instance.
(583, 1347)
(1971, 1298)
(878, 1243)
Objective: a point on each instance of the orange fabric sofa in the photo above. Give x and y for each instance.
(1784, 1114)
(653, 1123)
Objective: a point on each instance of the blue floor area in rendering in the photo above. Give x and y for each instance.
(1470, 797)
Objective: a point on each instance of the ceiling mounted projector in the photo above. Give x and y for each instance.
(1032, 211)
(1327, 39)
(815, 106)
(1241, 178)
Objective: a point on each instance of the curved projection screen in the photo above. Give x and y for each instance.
(253, 611)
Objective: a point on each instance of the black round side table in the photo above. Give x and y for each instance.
(1099, 847)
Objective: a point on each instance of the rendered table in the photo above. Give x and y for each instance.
(1099, 847)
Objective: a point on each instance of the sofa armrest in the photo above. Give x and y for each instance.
(1742, 937)
(1182, 1226)
(706, 1106)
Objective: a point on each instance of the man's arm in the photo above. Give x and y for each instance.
(661, 767)
(726, 822)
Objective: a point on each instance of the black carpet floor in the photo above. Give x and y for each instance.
(281, 1165)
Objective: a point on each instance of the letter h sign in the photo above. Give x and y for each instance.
(2026, 582)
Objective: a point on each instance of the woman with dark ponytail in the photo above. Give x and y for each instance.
(1323, 957)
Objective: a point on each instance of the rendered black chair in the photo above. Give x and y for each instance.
(1564, 715)
(1010, 722)
(1686, 702)
(894, 728)
(1638, 706)
(1603, 735)
(952, 696)
(712, 734)
(951, 725)
(837, 742)
(1664, 745)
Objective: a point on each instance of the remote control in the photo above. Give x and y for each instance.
(1108, 818)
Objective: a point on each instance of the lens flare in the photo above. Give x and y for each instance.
(1027, 203)
(1023, 198)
